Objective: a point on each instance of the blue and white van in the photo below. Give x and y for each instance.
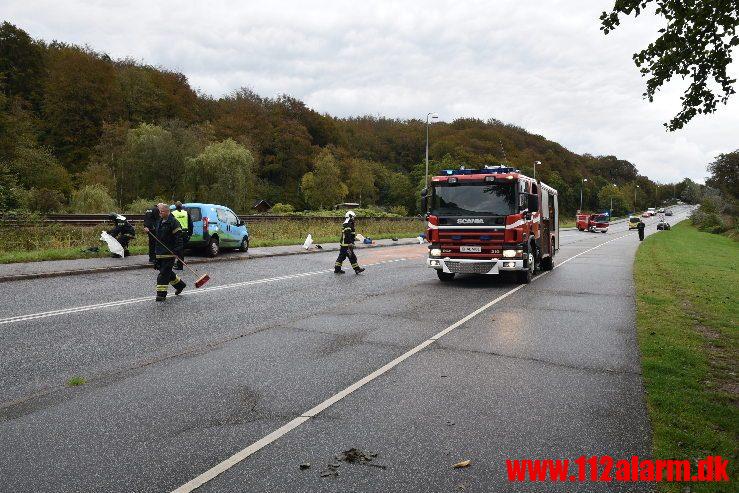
(216, 227)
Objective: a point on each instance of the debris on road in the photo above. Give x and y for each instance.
(305, 466)
(357, 456)
(463, 464)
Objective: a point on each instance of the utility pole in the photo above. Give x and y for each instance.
(535, 163)
(635, 198)
(433, 116)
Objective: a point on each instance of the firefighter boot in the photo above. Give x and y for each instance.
(161, 292)
(178, 285)
(338, 269)
(359, 270)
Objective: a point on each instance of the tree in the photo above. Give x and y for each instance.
(361, 182)
(691, 192)
(21, 64)
(322, 187)
(153, 162)
(696, 44)
(81, 93)
(221, 174)
(725, 174)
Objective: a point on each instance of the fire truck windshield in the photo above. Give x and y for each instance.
(488, 199)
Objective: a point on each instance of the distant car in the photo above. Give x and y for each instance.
(216, 227)
(668, 212)
(634, 222)
(646, 214)
(663, 226)
(651, 211)
(661, 210)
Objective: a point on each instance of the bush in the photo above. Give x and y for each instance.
(45, 201)
(140, 206)
(280, 208)
(709, 222)
(92, 199)
(399, 210)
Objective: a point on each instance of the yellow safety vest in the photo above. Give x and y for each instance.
(181, 217)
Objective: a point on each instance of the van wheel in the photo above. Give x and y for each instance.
(445, 276)
(244, 246)
(213, 247)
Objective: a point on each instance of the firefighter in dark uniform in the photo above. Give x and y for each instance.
(348, 236)
(183, 217)
(641, 227)
(151, 216)
(168, 240)
(122, 231)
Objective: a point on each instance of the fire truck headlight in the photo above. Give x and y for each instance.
(435, 252)
(509, 253)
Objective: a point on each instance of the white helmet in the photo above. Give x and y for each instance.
(349, 215)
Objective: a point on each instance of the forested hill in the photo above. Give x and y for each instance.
(81, 132)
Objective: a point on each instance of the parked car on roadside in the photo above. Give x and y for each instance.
(668, 212)
(216, 227)
(663, 226)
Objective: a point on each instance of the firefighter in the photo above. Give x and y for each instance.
(168, 240)
(183, 217)
(348, 236)
(151, 216)
(122, 231)
(641, 227)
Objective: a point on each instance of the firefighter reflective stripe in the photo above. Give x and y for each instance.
(174, 281)
(337, 264)
(159, 255)
(162, 287)
(181, 217)
(355, 265)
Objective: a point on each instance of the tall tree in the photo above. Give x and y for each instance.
(81, 94)
(725, 174)
(21, 64)
(322, 187)
(696, 44)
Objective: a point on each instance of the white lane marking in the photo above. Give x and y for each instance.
(99, 306)
(227, 464)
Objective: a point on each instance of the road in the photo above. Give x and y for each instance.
(283, 363)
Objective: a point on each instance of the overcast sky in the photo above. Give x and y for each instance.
(543, 65)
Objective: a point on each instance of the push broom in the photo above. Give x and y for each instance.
(200, 282)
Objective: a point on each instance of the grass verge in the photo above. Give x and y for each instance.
(64, 242)
(686, 285)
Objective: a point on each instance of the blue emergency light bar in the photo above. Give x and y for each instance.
(485, 170)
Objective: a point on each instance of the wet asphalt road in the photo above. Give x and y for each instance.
(551, 371)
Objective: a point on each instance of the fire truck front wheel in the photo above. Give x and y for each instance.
(525, 276)
(445, 276)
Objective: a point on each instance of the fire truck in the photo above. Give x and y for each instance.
(488, 221)
(595, 223)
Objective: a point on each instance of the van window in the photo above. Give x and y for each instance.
(195, 214)
(231, 218)
(221, 215)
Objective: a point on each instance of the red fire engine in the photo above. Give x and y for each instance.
(593, 222)
(489, 221)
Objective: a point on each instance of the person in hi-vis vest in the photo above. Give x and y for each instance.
(182, 217)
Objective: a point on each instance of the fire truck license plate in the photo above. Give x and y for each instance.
(470, 249)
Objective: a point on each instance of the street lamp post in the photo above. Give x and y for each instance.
(433, 116)
(582, 184)
(635, 198)
(535, 163)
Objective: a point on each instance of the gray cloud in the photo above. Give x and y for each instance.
(544, 66)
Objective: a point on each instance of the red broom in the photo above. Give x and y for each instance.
(200, 282)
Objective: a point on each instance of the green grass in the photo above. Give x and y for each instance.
(63, 242)
(76, 381)
(687, 284)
